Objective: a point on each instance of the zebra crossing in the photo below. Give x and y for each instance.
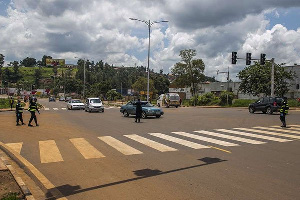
(56, 109)
(50, 152)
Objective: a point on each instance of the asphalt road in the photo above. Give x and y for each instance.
(67, 149)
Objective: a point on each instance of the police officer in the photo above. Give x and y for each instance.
(32, 109)
(19, 113)
(283, 111)
(11, 102)
(138, 111)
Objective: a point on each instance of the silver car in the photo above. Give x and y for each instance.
(75, 104)
(93, 104)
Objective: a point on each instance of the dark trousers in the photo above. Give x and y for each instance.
(33, 116)
(282, 119)
(20, 118)
(11, 106)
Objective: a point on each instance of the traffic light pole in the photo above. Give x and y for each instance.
(272, 77)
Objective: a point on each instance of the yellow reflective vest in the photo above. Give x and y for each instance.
(284, 108)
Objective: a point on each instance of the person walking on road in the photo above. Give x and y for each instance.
(32, 109)
(11, 102)
(283, 111)
(19, 113)
(138, 111)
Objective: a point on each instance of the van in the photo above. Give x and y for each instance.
(168, 99)
(93, 104)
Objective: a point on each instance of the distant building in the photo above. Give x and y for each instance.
(294, 90)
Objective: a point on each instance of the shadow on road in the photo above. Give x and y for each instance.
(68, 190)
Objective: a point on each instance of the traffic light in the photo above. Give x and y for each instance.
(234, 58)
(262, 59)
(248, 59)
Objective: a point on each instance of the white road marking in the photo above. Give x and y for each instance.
(86, 149)
(55, 108)
(120, 146)
(267, 132)
(64, 108)
(49, 152)
(254, 135)
(230, 137)
(15, 146)
(211, 140)
(47, 109)
(186, 143)
(150, 143)
(279, 129)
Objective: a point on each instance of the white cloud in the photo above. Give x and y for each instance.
(101, 30)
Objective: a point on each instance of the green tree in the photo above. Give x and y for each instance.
(113, 95)
(141, 85)
(1, 64)
(16, 74)
(44, 60)
(189, 72)
(28, 62)
(256, 79)
(37, 77)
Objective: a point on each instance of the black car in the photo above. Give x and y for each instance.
(51, 98)
(266, 105)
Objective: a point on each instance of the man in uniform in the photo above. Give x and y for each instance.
(11, 102)
(19, 113)
(283, 111)
(32, 109)
(138, 111)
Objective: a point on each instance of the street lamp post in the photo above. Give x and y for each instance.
(149, 24)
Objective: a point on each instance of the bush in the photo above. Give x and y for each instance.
(113, 95)
(203, 100)
(293, 103)
(242, 102)
(224, 96)
(4, 103)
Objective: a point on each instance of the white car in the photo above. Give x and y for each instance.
(75, 104)
(93, 104)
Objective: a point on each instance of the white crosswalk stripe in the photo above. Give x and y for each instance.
(49, 152)
(268, 132)
(186, 143)
(295, 125)
(230, 137)
(120, 146)
(279, 129)
(254, 135)
(150, 143)
(86, 149)
(64, 108)
(15, 146)
(55, 108)
(206, 139)
(47, 109)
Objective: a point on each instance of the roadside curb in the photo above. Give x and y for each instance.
(47, 187)
(6, 166)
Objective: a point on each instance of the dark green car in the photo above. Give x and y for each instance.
(148, 109)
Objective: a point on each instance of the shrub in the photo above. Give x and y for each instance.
(293, 103)
(242, 102)
(224, 96)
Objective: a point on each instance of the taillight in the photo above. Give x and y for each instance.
(275, 103)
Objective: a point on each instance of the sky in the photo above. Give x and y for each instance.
(101, 30)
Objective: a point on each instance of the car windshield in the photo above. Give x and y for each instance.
(174, 97)
(147, 104)
(95, 101)
(76, 101)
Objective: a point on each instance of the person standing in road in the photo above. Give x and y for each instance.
(283, 111)
(11, 102)
(138, 111)
(32, 109)
(19, 113)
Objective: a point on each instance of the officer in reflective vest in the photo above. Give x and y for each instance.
(32, 109)
(19, 113)
(283, 111)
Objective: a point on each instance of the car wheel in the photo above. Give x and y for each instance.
(125, 113)
(103, 110)
(144, 116)
(269, 111)
(158, 116)
(251, 110)
(176, 106)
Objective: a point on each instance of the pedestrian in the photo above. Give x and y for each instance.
(32, 109)
(138, 111)
(19, 113)
(283, 111)
(11, 102)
